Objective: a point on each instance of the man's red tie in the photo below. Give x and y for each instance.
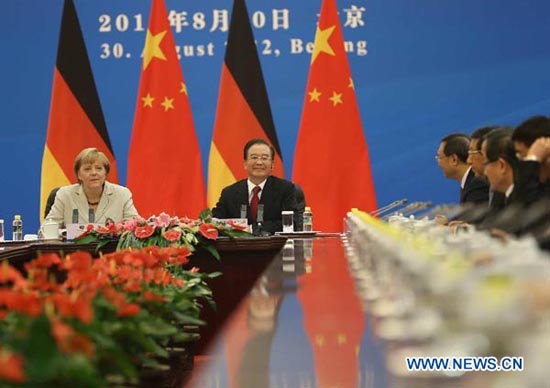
(254, 203)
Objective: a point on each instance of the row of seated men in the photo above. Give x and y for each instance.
(504, 176)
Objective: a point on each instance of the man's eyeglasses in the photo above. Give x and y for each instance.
(438, 157)
(263, 158)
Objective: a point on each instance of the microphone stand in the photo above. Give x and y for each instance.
(414, 207)
(388, 207)
(257, 229)
(410, 209)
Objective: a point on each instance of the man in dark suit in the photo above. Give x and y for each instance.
(476, 159)
(259, 188)
(532, 144)
(452, 156)
(500, 162)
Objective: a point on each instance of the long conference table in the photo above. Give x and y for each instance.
(305, 323)
(301, 325)
(293, 317)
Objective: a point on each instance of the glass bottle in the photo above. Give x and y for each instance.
(308, 220)
(17, 228)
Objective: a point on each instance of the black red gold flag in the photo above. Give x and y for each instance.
(76, 120)
(243, 110)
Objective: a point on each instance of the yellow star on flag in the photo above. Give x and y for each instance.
(351, 84)
(341, 339)
(168, 103)
(148, 100)
(183, 88)
(336, 98)
(152, 48)
(314, 95)
(321, 43)
(320, 340)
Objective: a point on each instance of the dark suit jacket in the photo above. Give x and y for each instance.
(277, 195)
(476, 190)
(528, 188)
(496, 206)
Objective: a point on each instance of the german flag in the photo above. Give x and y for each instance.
(76, 120)
(243, 110)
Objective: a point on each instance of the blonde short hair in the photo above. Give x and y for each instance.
(91, 155)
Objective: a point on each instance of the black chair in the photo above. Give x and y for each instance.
(300, 198)
(50, 201)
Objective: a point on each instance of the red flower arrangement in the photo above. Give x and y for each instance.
(164, 231)
(108, 316)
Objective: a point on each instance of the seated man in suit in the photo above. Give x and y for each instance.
(259, 188)
(500, 162)
(475, 158)
(452, 156)
(532, 144)
(477, 214)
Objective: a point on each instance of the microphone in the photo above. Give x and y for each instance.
(471, 213)
(414, 207)
(91, 216)
(243, 210)
(75, 216)
(450, 211)
(260, 215)
(257, 227)
(536, 219)
(421, 206)
(388, 207)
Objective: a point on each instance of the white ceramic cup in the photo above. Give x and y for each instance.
(49, 230)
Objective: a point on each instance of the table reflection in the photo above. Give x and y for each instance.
(301, 326)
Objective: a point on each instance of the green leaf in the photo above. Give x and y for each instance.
(102, 243)
(235, 233)
(87, 239)
(41, 352)
(212, 250)
(188, 320)
(206, 215)
(158, 328)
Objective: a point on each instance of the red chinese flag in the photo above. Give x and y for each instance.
(164, 162)
(331, 160)
(334, 321)
(76, 120)
(243, 109)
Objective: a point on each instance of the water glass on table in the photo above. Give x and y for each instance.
(288, 221)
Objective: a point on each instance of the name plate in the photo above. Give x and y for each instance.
(75, 230)
(237, 221)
